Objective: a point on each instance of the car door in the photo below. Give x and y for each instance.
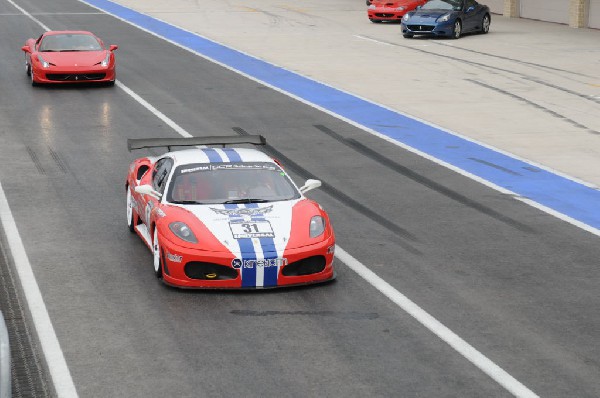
(160, 176)
(470, 15)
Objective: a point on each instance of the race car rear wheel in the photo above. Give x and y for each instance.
(158, 268)
(130, 215)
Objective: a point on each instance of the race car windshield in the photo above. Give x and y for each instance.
(70, 42)
(455, 5)
(230, 183)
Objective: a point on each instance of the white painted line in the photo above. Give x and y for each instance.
(373, 40)
(180, 130)
(465, 349)
(59, 372)
(28, 14)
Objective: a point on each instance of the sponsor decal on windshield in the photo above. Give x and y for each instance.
(243, 211)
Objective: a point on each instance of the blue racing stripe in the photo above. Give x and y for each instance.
(232, 155)
(247, 253)
(213, 156)
(269, 251)
(561, 194)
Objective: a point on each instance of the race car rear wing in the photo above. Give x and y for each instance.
(140, 143)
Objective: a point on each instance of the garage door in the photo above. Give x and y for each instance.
(594, 14)
(546, 10)
(496, 6)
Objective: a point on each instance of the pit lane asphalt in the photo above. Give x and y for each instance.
(516, 283)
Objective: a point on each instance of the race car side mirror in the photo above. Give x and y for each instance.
(113, 47)
(148, 190)
(310, 185)
(26, 49)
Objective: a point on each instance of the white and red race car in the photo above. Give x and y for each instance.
(226, 217)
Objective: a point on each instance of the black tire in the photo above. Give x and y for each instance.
(457, 30)
(33, 82)
(130, 212)
(368, 2)
(110, 83)
(485, 23)
(407, 36)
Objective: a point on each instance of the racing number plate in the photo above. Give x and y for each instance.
(251, 229)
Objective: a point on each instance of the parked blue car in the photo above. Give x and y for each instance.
(449, 18)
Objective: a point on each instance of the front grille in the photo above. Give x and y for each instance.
(73, 77)
(307, 266)
(202, 270)
(421, 28)
(382, 15)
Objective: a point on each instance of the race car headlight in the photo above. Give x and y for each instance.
(444, 18)
(317, 226)
(182, 231)
(106, 59)
(400, 8)
(406, 17)
(371, 7)
(43, 61)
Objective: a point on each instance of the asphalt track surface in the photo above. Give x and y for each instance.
(516, 283)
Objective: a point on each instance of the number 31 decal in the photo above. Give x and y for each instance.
(248, 228)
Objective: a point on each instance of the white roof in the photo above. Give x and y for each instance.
(216, 155)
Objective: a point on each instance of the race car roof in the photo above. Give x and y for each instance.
(218, 155)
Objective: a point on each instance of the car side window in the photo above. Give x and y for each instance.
(161, 171)
(471, 3)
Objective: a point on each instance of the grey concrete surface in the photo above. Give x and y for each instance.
(467, 86)
(518, 284)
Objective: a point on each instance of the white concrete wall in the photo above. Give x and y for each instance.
(594, 19)
(496, 6)
(546, 10)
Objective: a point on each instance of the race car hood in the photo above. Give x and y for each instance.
(74, 58)
(428, 16)
(260, 229)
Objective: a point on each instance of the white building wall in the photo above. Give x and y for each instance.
(546, 10)
(496, 6)
(594, 14)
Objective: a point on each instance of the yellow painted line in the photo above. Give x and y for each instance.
(301, 11)
(595, 85)
(250, 9)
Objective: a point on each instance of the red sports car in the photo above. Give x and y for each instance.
(69, 57)
(226, 217)
(386, 10)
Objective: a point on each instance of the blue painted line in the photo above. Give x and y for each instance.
(561, 194)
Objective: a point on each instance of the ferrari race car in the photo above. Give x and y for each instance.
(226, 217)
(69, 57)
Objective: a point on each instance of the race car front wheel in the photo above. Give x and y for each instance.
(157, 255)
(130, 215)
(33, 82)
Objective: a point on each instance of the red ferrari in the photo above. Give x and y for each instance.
(226, 218)
(391, 10)
(69, 57)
